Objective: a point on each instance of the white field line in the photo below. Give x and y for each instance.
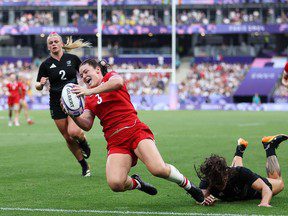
(249, 124)
(117, 212)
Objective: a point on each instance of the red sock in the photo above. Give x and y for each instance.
(286, 67)
(134, 184)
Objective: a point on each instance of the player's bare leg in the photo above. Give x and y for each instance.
(78, 135)
(240, 149)
(148, 153)
(10, 113)
(62, 125)
(117, 169)
(24, 106)
(16, 114)
(270, 144)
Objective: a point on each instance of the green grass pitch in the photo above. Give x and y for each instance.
(39, 172)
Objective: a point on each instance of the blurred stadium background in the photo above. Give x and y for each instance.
(225, 50)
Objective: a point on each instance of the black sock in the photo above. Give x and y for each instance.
(239, 151)
(83, 141)
(83, 163)
(270, 151)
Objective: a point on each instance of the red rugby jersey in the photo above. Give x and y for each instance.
(114, 109)
(14, 89)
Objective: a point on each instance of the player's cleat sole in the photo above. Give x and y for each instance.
(196, 193)
(86, 172)
(85, 149)
(273, 141)
(145, 187)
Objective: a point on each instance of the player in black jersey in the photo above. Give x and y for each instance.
(236, 183)
(61, 68)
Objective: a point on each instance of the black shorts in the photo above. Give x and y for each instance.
(55, 108)
(253, 194)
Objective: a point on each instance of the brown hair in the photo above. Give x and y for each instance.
(93, 63)
(215, 171)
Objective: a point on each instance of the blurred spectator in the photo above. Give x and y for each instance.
(281, 91)
(146, 84)
(138, 17)
(212, 81)
(192, 17)
(83, 18)
(37, 19)
(240, 16)
(256, 99)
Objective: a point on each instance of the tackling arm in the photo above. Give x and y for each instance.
(260, 185)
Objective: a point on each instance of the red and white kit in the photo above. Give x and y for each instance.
(14, 90)
(122, 128)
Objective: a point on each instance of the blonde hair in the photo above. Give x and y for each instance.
(70, 45)
(76, 44)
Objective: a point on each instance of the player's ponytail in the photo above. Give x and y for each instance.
(104, 67)
(70, 45)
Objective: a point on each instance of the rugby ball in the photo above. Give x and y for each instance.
(72, 104)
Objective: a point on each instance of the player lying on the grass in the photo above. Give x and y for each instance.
(237, 183)
(127, 137)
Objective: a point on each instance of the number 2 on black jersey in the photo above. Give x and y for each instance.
(63, 73)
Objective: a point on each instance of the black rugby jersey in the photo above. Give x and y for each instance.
(60, 72)
(238, 186)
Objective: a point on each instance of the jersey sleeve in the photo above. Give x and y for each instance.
(203, 185)
(109, 75)
(42, 72)
(247, 176)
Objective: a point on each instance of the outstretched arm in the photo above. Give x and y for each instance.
(114, 83)
(260, 185)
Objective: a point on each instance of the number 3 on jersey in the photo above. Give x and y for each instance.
(99, 101)
(63, 73)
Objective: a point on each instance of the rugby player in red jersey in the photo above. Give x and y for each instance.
(13, 91)
(127, 137)
(23, 104)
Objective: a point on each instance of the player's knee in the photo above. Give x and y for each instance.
(160, 171)
(116, 185)
(74, 133)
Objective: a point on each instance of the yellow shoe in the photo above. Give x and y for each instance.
(273, 141)
(242, 143)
